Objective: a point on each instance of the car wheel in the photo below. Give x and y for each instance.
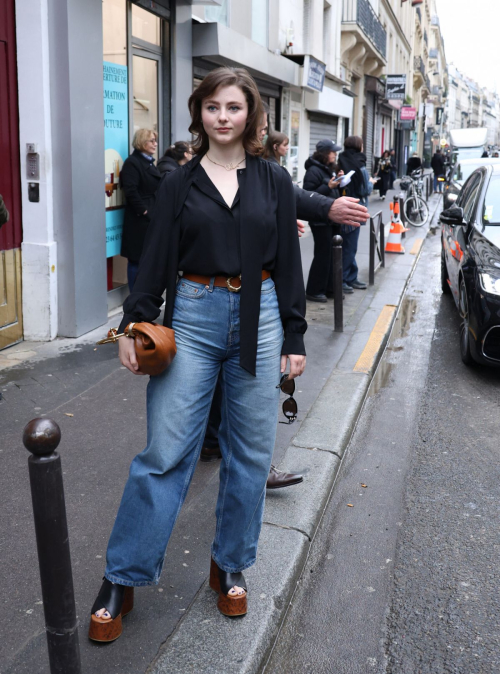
(445, 285)
(465, 351)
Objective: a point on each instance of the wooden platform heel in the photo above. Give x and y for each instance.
(118, 600)
(223, 582)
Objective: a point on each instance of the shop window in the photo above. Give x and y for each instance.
(145, 94)
(146, 26)
(134, 61)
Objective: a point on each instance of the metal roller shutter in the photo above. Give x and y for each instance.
(322, 126)
(369, 129)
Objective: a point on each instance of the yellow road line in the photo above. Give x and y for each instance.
(415, 250)
(369, 353)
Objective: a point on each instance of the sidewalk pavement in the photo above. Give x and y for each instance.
(175, 626)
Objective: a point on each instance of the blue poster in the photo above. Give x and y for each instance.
(116, 150)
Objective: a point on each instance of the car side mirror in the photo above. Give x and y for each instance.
(453, 216)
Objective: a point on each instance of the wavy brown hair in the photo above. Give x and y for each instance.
(227, 77)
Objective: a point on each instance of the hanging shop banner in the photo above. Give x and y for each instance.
(115, 151)
(395, 87)
(407, 114)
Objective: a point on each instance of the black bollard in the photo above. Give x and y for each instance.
(338, 308)
(41, 437)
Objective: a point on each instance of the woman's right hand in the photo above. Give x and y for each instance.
(127, 355)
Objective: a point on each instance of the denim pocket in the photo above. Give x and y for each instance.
(189, 290)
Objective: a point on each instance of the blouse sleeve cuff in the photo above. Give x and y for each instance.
(127, 318)
(293, 344)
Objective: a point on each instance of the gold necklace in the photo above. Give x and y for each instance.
(228, 167)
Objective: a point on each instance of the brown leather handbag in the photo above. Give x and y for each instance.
(154, 345)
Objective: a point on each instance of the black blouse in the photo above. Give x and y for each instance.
(193, 230)
(210, 230)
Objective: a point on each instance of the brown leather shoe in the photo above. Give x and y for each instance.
(210, 454)
(278, 479)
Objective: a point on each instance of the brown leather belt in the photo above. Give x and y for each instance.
(232, 283)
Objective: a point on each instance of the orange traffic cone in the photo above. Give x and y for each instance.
(397, 229)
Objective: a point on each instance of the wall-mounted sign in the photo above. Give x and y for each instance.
(375, 85)
(116, 149)
(314, 73)
(439, 116)
(407, 113)
(395, 87)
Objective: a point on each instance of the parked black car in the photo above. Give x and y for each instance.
(458, 174)
(470, 264)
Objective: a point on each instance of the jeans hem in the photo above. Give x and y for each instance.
(233, 569)
(129, 583)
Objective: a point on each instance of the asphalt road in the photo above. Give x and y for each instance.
(406, 580)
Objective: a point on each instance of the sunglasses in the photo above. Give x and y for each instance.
(290, 408)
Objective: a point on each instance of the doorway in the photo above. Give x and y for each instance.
(11, 323)
(136, 56)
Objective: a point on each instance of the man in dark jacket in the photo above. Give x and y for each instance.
(437, 164)
(414, 163)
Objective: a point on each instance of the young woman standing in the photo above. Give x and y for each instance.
(276, 146)
(227, 221)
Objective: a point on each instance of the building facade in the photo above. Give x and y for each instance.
(79, 78)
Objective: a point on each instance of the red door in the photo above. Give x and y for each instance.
(10, 187)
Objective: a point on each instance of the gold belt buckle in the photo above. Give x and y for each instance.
(231, 288)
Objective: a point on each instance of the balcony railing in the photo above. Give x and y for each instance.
(361, 13)
(418, 64)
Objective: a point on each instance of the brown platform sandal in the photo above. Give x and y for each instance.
(118, 600)
(223, 583)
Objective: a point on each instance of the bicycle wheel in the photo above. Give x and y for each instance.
(416, 211)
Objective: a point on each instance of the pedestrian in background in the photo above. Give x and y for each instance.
(276, 146)
(394, 168)
(437, 164)
(320, 177)
(353, 159)
(139, 179)
(227, 220)
(4, 213)
(384, 173)
(414, 163)
(176, 155)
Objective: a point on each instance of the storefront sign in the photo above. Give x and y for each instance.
(375, 85)
(395, 87)
(407, 114)
(439, 116)
(314, 73)
(116, 150)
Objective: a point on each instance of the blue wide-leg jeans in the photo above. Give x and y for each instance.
(206, 321)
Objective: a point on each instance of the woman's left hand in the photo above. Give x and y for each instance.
(297, 365)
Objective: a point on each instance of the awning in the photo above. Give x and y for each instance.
(223, 45)
(329, 102)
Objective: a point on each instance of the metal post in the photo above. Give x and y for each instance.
(402, 210)
(41, 437)
(338, 308)
(373, 241)
(400, 203)
(381, 239)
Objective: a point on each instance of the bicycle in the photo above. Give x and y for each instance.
(415, 207)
